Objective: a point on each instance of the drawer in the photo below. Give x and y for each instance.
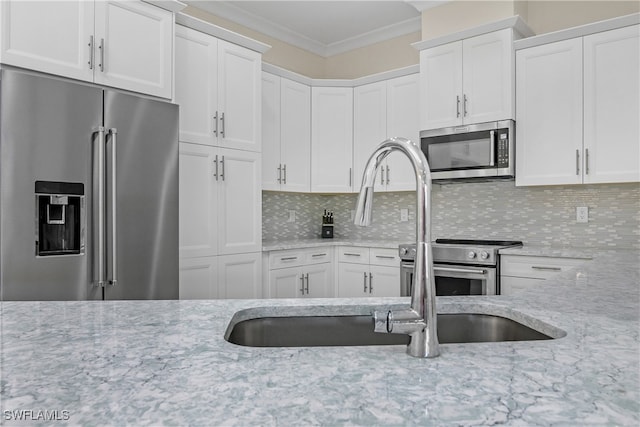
(283, 259)
(384, 256)
(536, 267)
(353, 254)
(318, 255)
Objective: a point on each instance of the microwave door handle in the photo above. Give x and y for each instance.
(492, 144)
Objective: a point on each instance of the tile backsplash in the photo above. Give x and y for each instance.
(483, 210)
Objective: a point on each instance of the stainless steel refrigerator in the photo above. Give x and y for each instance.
(88, 192)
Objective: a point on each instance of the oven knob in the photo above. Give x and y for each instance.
(484, 255)
(471, 255)
(412, 251)
(403, 251)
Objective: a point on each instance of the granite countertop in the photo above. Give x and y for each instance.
(166, 362)
(277, 245)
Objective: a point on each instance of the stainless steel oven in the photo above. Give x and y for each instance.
(461, 267)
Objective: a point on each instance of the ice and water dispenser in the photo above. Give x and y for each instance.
(60, 218)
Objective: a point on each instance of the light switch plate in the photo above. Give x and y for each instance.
(292, 216)
(582, 214)
(404, 215)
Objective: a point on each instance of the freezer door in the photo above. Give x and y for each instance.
(145, 135)
(46, 135)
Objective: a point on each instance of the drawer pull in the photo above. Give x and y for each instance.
(317, 255)
(350, 254)
(536, 267)
(290, 258)
(385, 257)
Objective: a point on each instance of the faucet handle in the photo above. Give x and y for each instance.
(381, 321)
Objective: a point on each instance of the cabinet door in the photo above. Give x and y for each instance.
(353, 280)
(369, 129)
(53, 37)
(549, 114)
(403, 114)
(517, 285)
(384, 281)
(488, 68)
(240, 276)
(198, 197)
(611, 106)
(331, 139)
(441, 86)
(199, 278)
(196, 85)
(239, 202)
(239, 93)
(271, 164)
(286, 283)
(134, 47)
(319, 283)
(295, 136)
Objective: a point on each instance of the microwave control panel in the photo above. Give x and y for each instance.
(503, 148)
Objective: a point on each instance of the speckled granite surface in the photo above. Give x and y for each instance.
(276, 245)
(166, 362)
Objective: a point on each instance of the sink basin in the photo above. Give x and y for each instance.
(357, 330)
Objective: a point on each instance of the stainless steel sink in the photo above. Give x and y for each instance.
(357, 330)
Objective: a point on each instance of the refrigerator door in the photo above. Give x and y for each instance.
(46, 137)
(145, 135)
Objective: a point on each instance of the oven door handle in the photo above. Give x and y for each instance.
(460, 270)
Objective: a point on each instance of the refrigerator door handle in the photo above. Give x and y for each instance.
(114, 253)
(98, 211)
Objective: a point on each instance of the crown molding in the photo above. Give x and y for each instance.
(257, 23)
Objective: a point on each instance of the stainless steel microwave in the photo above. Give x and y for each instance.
(480, 151)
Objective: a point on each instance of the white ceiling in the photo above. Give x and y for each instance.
(323, 27)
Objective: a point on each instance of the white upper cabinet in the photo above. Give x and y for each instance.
(468, 81)
(383, 110)
(127, 45)
(331, 139)
(611, 106)
(549, 114)
(578, 115)
(286, 134)
(218, 88)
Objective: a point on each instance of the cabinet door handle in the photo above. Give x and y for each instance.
(577, 162)
(215, 121)
(388, 179)
(289, 258)
(350, 254)
(101, 47)
(284, 172)
(91, 52)
(306, 276)
(280, 174)
(215, 173)
(464, 107)
(302, 284)
(457, 106)
(381, 176)
(586, 161)
(222, 131)
(370, 283)
(385, 256)
(318, 255)
(222, 167)
(365, 282)
(350, 183)
(537, 267)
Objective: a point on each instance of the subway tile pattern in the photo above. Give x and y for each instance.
(544, 216)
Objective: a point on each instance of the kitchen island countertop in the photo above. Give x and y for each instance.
(166, 362)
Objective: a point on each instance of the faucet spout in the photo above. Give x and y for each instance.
(419, 320)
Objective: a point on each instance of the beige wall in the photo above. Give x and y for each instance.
(548, 16)
(376, 58)
(542, 16)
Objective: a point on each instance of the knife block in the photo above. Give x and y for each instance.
(327, 231)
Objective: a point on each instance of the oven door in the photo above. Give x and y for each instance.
(453, 279)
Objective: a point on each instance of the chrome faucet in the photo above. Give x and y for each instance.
(419, 320)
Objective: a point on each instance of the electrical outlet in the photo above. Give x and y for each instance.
(404, 215)
(292, 216)
(582, 214)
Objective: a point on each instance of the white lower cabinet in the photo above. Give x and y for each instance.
(368, 272)
(522, 272)
(303, 273)
(236, 276)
